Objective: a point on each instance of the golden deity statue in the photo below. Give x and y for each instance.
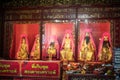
(22, 53)
(51, 50)
(35, 53)
(105, 51)
(66, 52)
(87, 48)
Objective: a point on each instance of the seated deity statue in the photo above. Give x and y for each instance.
(35, 53)
(105, 48)
(67, 46)
(53, 48)
(22, 53)
(87, 47)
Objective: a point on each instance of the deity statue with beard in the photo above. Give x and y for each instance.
(87, 47)
(105, 51)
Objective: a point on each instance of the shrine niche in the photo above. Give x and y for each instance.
(55, 33)
(26, 32)
(95, 30)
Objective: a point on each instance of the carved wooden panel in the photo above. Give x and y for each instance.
(117, 33)
(20, 15)
(19, 3)
(66, 13)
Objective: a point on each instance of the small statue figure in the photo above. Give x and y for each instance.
(35, 53)
(52, 47)
(67, 46)
(105, 48)
(87, 47)
(51, 50)
(22, 53)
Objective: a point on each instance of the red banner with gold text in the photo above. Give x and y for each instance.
(41, 69)
(45, 69)
(9, 68)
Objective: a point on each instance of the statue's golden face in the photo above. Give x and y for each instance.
(37, 40)
(67, 35)
(87, 34)
(105, 38)
(23, 40)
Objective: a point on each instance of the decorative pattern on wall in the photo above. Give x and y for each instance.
(62, 13)
(116, 33)
(20, 3)
(21, 15)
